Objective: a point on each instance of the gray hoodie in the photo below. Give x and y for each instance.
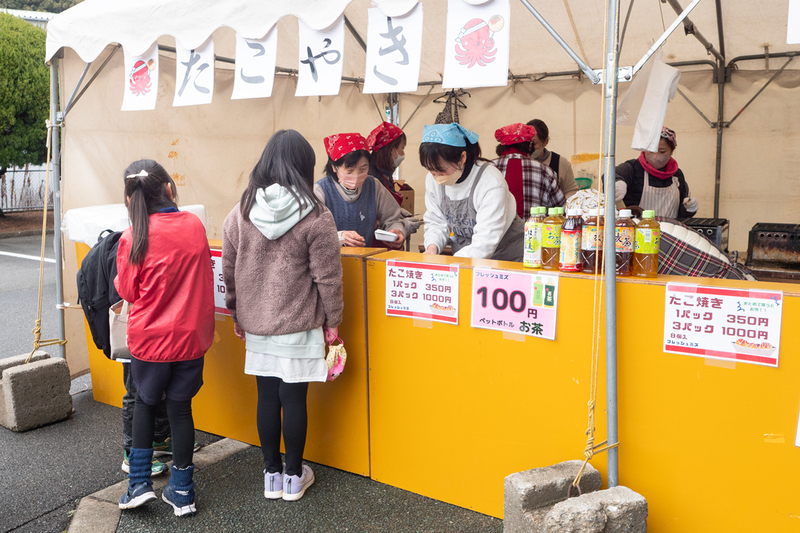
(276, 211)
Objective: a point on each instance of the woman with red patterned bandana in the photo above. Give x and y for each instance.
(532, 183)
(654, 181)
(357, 202)
(387, 143)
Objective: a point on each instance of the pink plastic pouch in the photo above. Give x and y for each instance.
(336, 358)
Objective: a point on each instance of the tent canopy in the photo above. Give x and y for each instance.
(751, 26)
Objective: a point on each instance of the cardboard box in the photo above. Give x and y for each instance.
(408, 196)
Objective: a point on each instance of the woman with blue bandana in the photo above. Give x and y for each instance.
(468, 204)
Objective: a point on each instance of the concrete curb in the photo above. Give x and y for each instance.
(100, 512)
(29, 233)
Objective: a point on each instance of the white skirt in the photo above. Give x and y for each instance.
(290, 369)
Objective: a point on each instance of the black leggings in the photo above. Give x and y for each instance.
(274, 393)
(181, 421)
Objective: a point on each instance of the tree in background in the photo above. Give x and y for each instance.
(24, 93)
(50, 6)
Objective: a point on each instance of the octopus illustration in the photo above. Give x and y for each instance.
(139, 78)
(476, 45)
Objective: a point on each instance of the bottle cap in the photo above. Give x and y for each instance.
(552, 211)
(573, 212)
(560, 210)
(534, 210)
(542, 210)
(625, 213)
(601, 211)
(649, 213)
(592, 212)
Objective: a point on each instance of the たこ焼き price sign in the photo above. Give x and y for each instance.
(516, 302)
(721, 323)
(419, 290)
(219, 284)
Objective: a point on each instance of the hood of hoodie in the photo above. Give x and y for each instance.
(276, 211)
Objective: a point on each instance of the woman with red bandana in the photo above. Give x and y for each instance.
(532, 183)
(387, 143)
(358, 203)
(654, 181)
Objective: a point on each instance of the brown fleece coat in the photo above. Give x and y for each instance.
(287, 285)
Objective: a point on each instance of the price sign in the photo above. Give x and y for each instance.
(219, 284)
(517, 302)
(721, 323)
(419, 290)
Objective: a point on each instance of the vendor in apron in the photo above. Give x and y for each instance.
(468, 204)
(654, 181)
(357, 202)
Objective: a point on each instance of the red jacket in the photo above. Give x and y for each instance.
(172, 290)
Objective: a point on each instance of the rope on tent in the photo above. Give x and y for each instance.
(37, 329)
(597, 307)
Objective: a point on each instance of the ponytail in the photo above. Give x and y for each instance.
(145, 194)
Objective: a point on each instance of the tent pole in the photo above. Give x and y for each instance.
(721, 79)
(609, 149)
(56, 153)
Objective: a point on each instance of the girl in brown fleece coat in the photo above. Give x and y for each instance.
(283, 278)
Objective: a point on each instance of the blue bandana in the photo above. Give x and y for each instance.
(449, 134)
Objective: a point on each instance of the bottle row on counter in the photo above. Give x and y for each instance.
(575, 244)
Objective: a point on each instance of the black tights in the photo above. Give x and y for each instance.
(181, 421)
(274, 393)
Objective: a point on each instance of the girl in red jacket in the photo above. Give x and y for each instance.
(164, 271)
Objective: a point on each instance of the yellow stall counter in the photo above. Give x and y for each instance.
(338, 425)
(455, 409)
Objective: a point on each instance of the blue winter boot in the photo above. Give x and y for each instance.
(180, 491)
(140, 486)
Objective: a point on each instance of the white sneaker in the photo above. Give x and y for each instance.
(273, 485)
(295, 486)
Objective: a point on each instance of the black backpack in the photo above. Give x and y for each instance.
(96, 291)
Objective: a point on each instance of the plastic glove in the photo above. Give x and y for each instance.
(411, 225)
(691, 204)
(620, 190)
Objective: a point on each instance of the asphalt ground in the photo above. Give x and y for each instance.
(19, 289)
(230, 498)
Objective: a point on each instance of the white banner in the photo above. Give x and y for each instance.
(793, 26)
(394, 52)
(321, 59)
(255, 66)
(194, 74)
(141, 81)
(477, 44)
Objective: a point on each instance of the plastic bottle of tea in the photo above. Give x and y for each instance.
(624, 234)
(551, 239)
(532, 257)
(592, 241)
(645, 247)
(570, 252)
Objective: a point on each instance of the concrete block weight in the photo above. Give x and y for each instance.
(615, 510)
(529, 495)
(33, 394)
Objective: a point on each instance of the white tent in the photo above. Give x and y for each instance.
(211, 149)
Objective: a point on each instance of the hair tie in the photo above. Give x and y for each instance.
(141, 174)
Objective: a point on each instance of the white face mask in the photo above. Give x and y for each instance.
(658, 161)
(397, 160)
(449, 180)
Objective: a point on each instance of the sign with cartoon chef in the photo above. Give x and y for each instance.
(141, 80)
(477, 44)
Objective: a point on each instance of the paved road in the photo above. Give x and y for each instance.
(19, 289)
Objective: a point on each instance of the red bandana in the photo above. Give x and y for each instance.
(515, 133)
(339, 145)
(385, 133)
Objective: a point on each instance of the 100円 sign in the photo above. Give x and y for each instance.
(723, 323)
(517, 302)
(420, 290)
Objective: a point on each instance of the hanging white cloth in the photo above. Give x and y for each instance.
(654, 87)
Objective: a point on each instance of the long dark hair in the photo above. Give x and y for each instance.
(287, 160)
(382, 157)
(433, 156)
(348, 161)
(145, 194)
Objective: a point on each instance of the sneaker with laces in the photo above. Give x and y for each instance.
(137, 495)
(295, 486)
(157, 467)
(165, 448)
(273, 485)
(181, 501)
